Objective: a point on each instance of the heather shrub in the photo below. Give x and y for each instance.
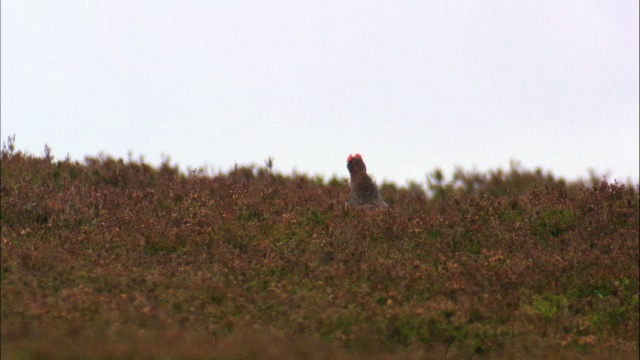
(116, 258)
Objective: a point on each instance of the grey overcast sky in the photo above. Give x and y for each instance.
(411, 85)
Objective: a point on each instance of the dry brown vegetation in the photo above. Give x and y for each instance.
(117, 259)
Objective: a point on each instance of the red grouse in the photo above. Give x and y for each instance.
(364, 193)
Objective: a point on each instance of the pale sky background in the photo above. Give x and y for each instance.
(411, 85)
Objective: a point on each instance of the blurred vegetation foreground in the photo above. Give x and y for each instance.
(118, 259)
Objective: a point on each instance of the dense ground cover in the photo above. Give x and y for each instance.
(111, 258)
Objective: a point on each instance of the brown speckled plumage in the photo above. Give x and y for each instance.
(364, 193)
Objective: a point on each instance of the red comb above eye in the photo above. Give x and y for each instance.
(351, 157)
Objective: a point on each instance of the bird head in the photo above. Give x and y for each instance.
(356, 164)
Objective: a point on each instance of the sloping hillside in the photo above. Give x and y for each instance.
(111, 258)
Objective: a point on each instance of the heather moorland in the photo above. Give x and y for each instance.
(113, 258)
